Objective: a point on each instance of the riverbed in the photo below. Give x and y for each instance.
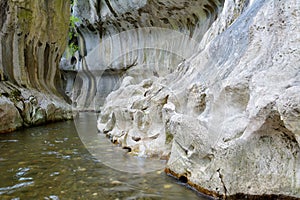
(52, 162)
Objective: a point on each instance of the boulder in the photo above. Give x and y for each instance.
(9, 115)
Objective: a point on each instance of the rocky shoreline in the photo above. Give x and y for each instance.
(238, 196)
(20, 108)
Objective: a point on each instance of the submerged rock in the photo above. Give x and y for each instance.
(229, 116)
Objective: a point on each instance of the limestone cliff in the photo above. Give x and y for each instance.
(227, 117)
(114, 36)
(33, 36)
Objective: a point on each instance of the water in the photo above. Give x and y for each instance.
(51, 162)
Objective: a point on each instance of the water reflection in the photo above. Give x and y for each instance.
(50, 162)
(110, 154)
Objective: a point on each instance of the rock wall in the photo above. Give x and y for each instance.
(227, 119)
(33, 36)
(113, 36)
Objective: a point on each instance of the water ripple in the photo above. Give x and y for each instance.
(6, 141)
(11, 189)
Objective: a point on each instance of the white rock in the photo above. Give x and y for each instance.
(233, 111)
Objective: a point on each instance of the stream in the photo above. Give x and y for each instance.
(52, 162)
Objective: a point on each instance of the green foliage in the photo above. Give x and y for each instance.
(72, 48)
(72, 36)
(73, 20)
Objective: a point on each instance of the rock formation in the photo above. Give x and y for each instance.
(33, 36)
(114, 36)
(226, 115)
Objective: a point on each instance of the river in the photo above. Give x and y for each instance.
(52, 162)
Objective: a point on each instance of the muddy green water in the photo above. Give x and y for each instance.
(51, 162)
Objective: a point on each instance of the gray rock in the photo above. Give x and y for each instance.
(23, 107)
(133, 38)
(32, 40)
(9, 115)
(231, 110)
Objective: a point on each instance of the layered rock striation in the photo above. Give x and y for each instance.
(33, 36)
(133, 38)
(228, 117)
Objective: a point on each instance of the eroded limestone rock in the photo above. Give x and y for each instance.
(22, 107)
(33, 36)
(33, 39)
(137, 39)
(231, 110)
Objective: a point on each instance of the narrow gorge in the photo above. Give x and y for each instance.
(209, 86)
